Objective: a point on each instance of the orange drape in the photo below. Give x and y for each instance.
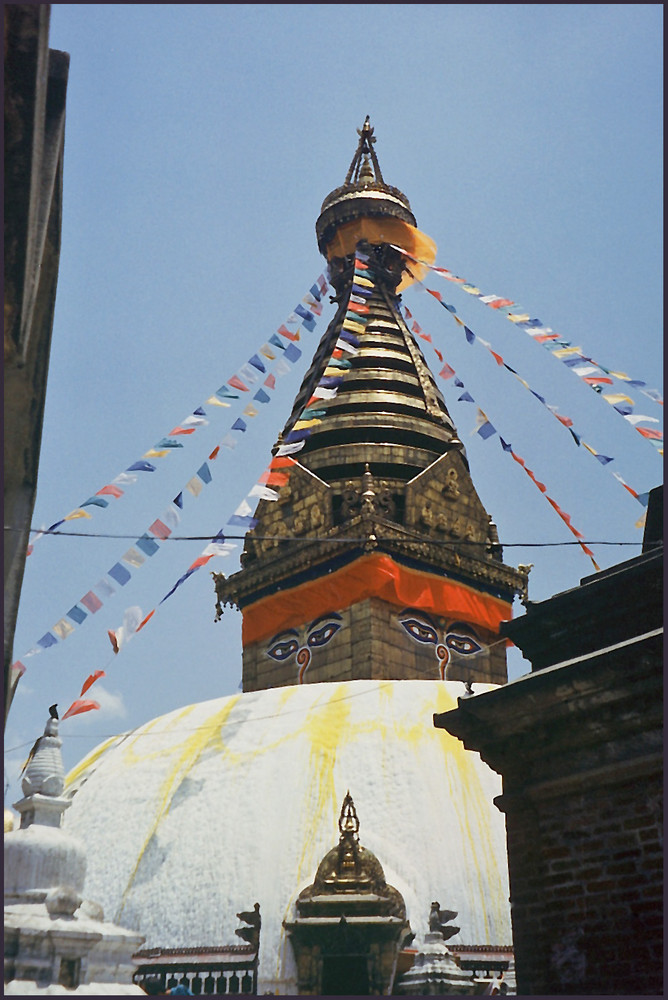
(387, 230)
(371, 576)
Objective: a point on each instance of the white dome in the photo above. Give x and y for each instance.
(203, 812)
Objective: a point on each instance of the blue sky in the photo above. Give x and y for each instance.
(200, 142)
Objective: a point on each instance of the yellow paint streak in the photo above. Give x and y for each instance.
(326, 725)
(92, 758)
(186, 754)
(465, 785)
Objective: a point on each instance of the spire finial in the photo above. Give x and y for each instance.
(360, 169)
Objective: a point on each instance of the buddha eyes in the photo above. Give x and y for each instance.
(322, 635)
(284, 645)
(423, 631)
(283, 649)
(462, 643)
(420, 630)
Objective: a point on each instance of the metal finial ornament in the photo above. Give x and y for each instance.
(360, 168)
(349, 823)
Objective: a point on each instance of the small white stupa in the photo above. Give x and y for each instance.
(55, 941)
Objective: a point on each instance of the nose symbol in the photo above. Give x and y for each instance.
(303, 659)
(443, 655)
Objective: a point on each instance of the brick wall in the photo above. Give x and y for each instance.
(586, 889)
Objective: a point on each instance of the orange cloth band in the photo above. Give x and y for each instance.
(371, 576)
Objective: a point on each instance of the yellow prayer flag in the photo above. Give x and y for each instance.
(616, 397)
(62, 629)
(518, 317)
(133, 557)
(563, 352)
(305, 423)
(214, 401)
(195, 486)
(152, 453)
(75, 514)
(250, 411)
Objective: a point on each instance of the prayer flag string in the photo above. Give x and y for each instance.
(565, 421)
(486, 429)
(304, 314)
(591, 372)
(148, 544)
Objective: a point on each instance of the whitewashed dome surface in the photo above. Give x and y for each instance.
(200, 813)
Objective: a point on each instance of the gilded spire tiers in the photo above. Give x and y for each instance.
(379, 518)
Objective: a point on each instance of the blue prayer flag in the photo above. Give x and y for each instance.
(300, 435)
(77, 615)
(292, 353)
(141, 467)
(256, 363)
(95, 502)
(147, 545)
(239, 425)
(204, 473)
(119, 574)
(243, 521)
(47, 640)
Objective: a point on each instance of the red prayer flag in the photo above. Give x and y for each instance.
(284, 332)
(277, 479)
(91, 601)
(270, 382)
(79, 706)
(142, 623)
(91, 680)
(500, 302)
(597, 379)
(447, 371)
(110, 490)
(648, 432)
(497, 357)
(437, 295)
(200, 561)
(113, 641)
(214, 453)
(237, 383)
(181, 430)
(438, 354)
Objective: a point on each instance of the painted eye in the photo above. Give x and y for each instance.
(419, 630)
(283, 649)
(462, 644)
(322, 635)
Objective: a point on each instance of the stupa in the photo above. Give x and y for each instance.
(55, 940)
(371, 593)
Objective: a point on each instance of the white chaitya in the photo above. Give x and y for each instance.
(55, 940)
(200, 813)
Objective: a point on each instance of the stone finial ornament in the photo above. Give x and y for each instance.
(43, 771)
